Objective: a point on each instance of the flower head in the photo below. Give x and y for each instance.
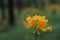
(39, 21)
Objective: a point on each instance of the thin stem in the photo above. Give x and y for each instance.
(36, 35)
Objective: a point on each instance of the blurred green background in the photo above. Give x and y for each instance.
(48, 8)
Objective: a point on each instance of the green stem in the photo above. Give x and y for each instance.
(36, 35)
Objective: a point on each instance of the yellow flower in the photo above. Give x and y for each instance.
(52, 7)
(30, 22)
(39, 21)
(28, 19)
(42, 23)
(44, 29)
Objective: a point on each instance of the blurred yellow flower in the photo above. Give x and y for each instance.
(52, 7)
(39, 21)
(30, 22)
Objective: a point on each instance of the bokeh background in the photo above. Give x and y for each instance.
(13, 12)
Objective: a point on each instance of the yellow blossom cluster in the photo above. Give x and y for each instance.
(39, 21)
